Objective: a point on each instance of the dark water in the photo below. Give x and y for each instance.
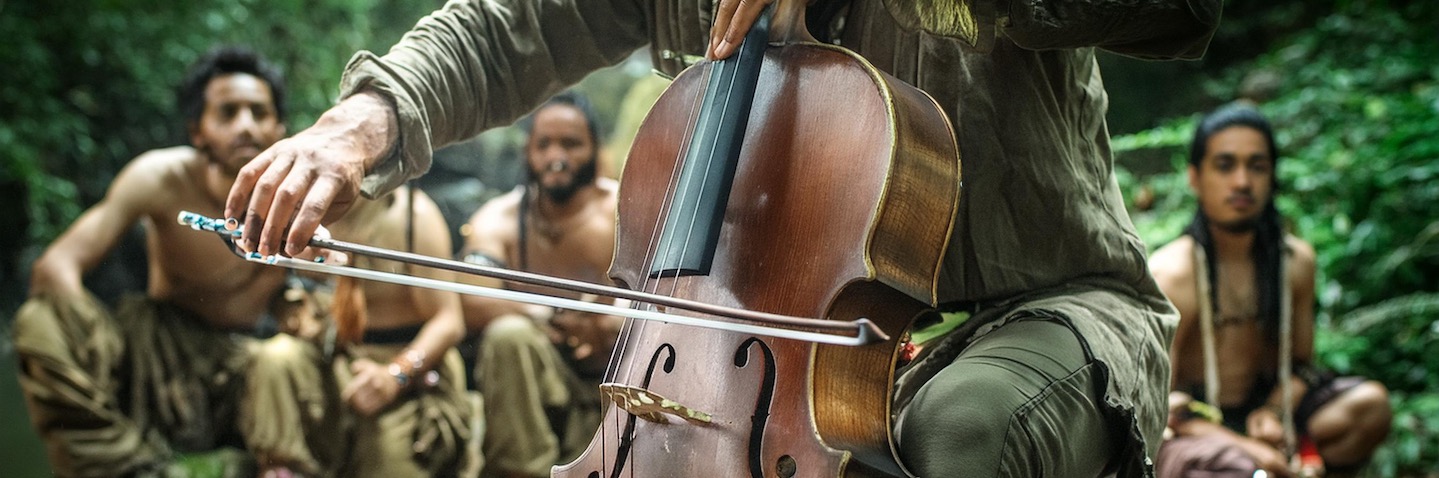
(21, 454)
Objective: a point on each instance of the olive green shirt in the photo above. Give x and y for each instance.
(1040, 212)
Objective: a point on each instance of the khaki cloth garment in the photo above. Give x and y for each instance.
(1040, 212)
(1204, 456)
(121, 395)
(539, 412)
(293, 416)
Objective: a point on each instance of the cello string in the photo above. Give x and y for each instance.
(728, 76)
(667, 203)
(627, 331)
(672, 193)
(649, 284)
(653, 284)
(612, 369)
(724, 114)
(657, 239)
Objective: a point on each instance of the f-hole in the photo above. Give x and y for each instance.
(762, 402)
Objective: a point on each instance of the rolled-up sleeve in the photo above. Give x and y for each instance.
(478, 64)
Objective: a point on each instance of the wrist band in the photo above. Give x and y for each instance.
(400, 376)
(416, 359)
(1203, 411)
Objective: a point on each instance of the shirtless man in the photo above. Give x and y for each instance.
(115, 396)
(1238, 230)
(390, 400)
(560, 223)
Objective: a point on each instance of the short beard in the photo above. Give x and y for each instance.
(1242, 226)
(214, 159)
(584, 176)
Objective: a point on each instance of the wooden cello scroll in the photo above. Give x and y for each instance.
(838, 203)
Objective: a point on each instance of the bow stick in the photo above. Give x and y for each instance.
(860, 331)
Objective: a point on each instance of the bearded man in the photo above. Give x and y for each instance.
(539, 368)
(121, 395)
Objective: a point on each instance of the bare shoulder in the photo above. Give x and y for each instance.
(496, 222)
(1173, 269)
(1300, 250)
(155, 174)
(424, 206)
(425, 209)
(162, 165)
(1302, 258)
(610, 187)
(430, 222)
(498, 211)
(1173, 261)
(608, 194)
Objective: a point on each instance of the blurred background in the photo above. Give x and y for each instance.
(1351, 86)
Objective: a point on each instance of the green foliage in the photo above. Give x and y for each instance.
(1411, 450)
(88, 84)
(1357, 124)
(1397, 343)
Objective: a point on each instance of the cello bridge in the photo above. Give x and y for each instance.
(649, 405)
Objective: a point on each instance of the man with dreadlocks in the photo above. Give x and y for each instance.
(539, 368)
(1245, 344)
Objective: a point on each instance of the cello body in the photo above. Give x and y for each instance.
(841, 207)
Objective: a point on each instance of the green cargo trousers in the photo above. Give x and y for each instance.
(119, 396)
(1023, 400)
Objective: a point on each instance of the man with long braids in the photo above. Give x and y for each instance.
(1239, 282)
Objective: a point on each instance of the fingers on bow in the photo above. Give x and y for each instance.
(282, 200)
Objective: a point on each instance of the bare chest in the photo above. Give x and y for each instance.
(583, 252)
(197, 271)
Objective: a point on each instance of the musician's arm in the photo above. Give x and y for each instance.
(1165, 29)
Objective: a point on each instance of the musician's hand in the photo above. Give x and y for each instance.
(328, 256)
(733, 19)
(286, 191)
(371, 389)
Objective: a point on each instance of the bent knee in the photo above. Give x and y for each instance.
(512, 332)
(36, 324)
(1371, 395)
(282, 354)
(1363, 410)
(1364, 402)
(81, 330)
(1369, 402)
(958, 422)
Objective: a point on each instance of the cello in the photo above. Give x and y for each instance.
(795, 180)
(769, 200)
